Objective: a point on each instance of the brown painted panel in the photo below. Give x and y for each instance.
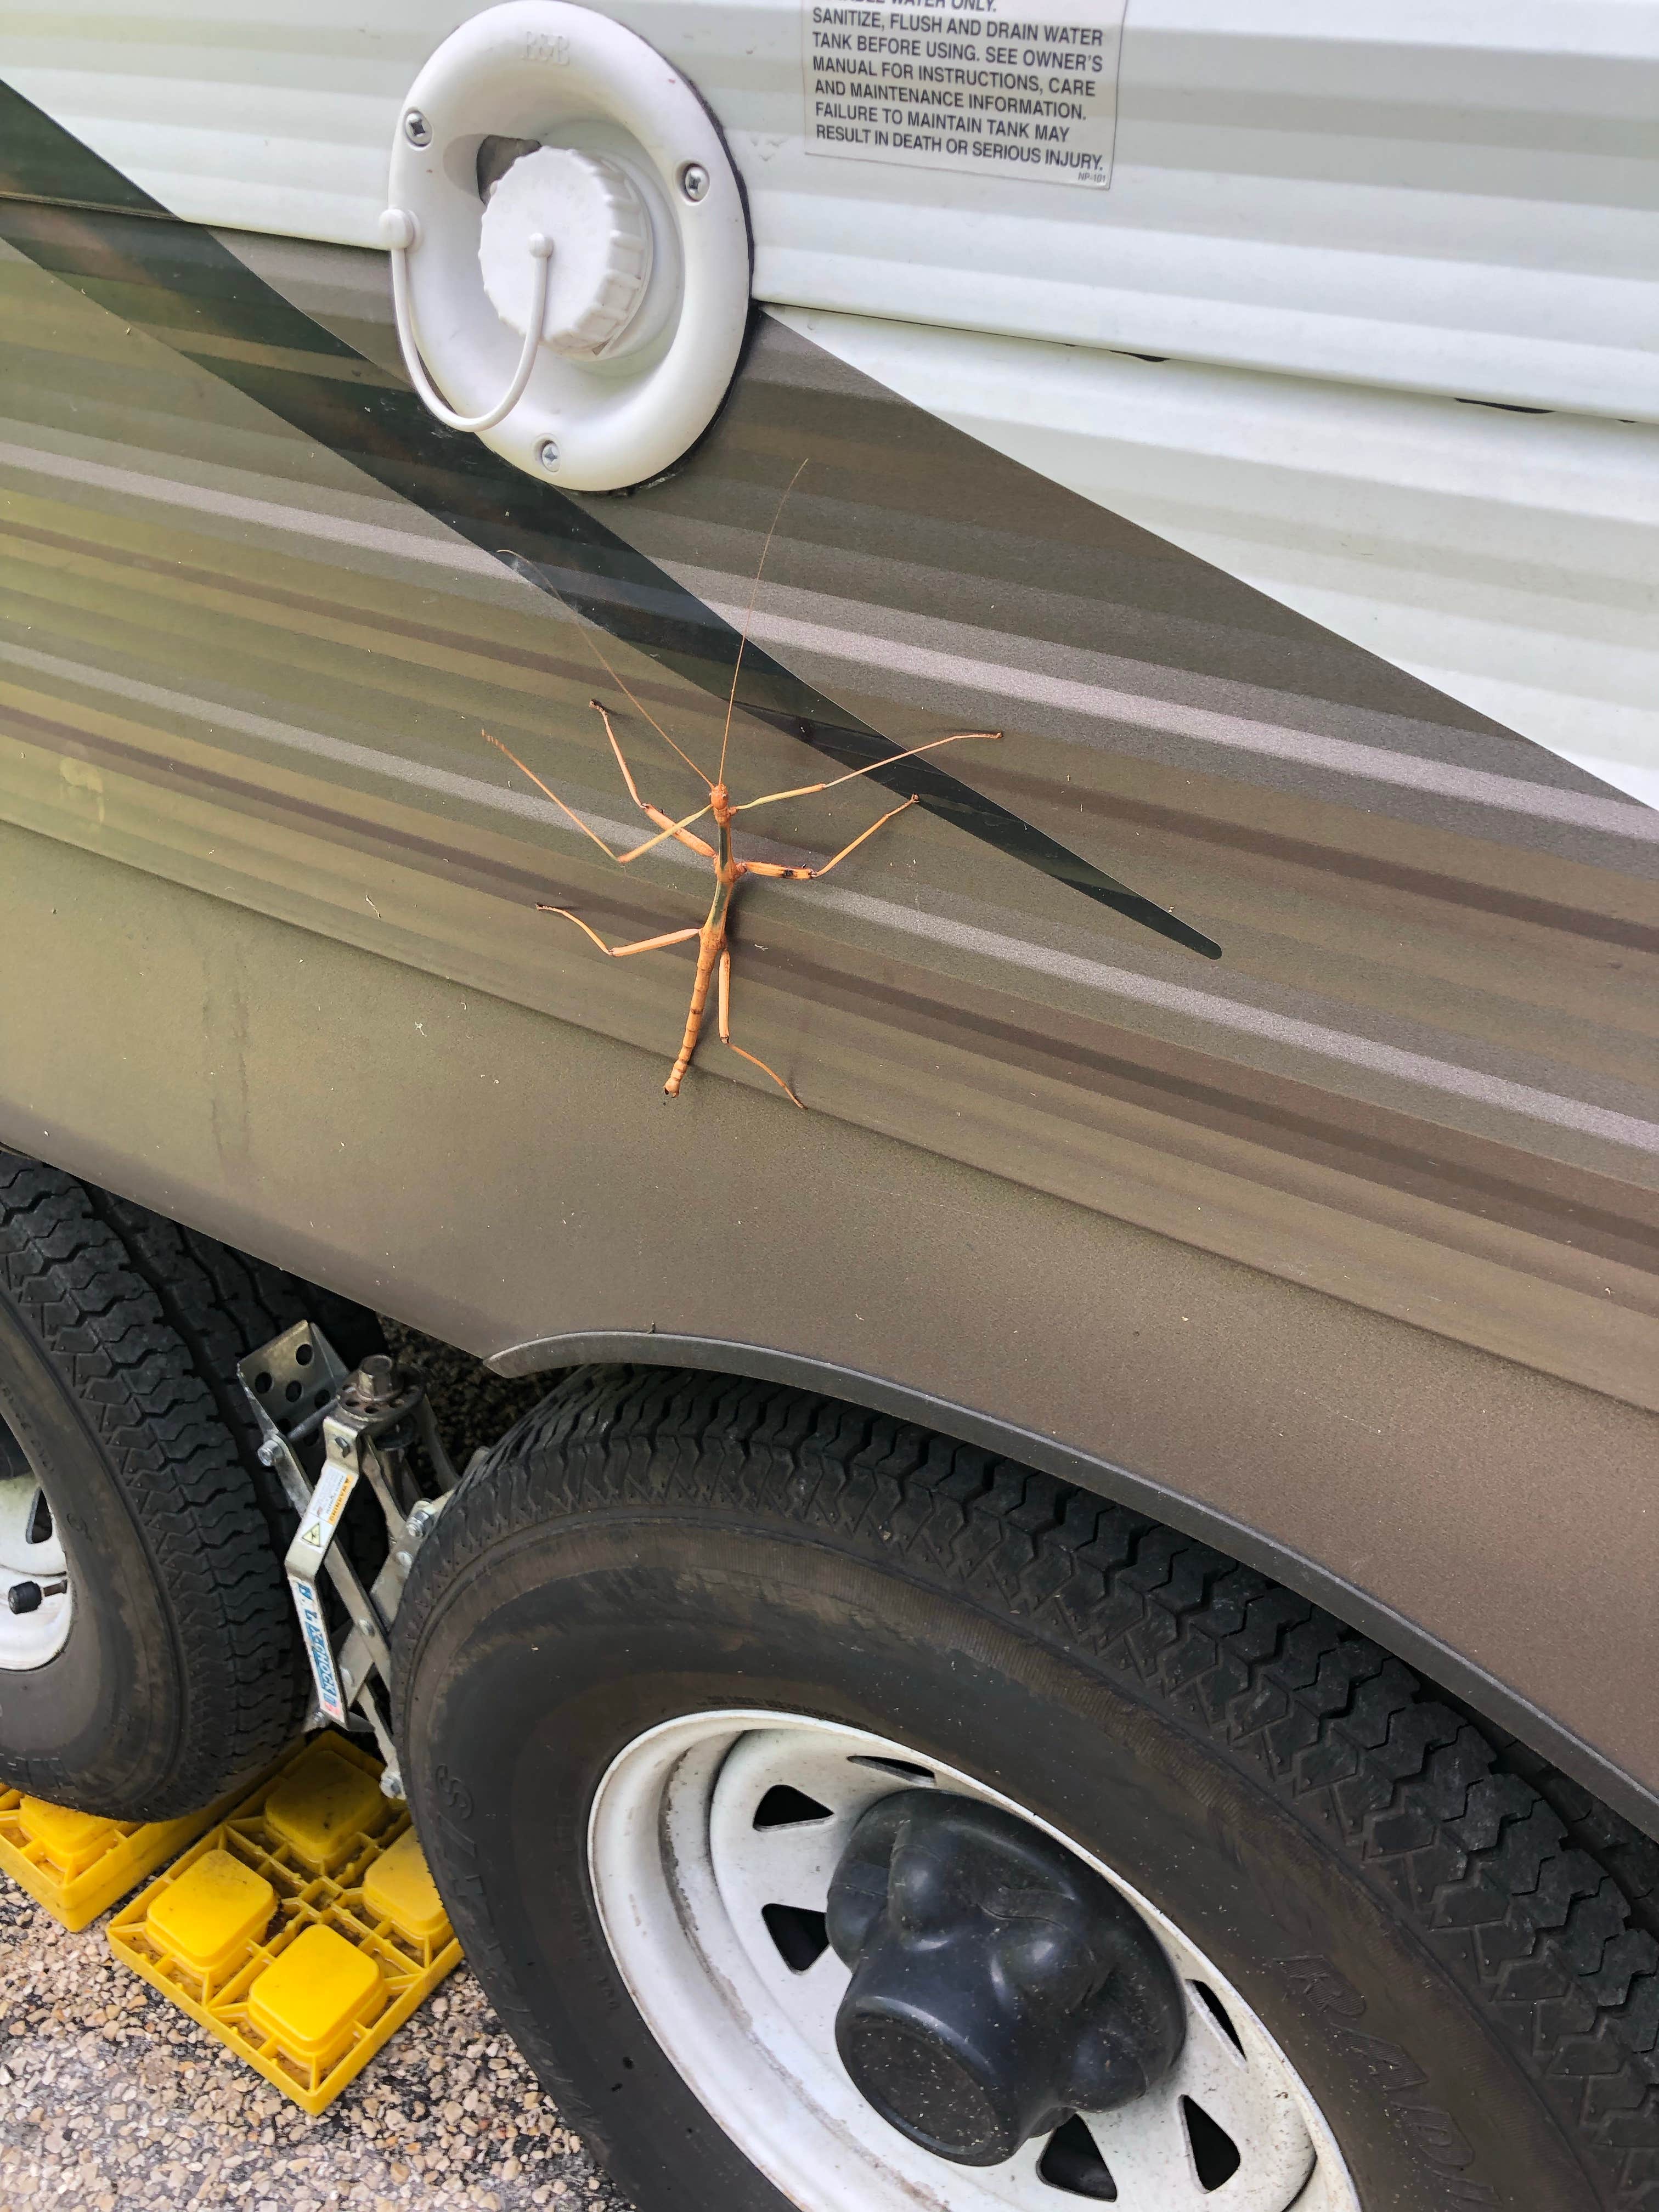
(483, 1171)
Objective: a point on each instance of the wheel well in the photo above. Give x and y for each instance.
(1500, 1710)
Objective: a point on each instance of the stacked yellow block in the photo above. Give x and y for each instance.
(303, 1930)
(76, 1864)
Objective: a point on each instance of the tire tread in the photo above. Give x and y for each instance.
(1515, 1879)
(145, 1321)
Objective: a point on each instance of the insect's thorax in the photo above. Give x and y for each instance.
(720, 807)
(725, 868)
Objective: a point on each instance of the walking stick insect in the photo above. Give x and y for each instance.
(713, 934)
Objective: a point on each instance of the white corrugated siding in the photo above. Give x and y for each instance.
(1455, 196)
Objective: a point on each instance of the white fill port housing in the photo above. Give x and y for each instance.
(627, 180)
(602, 252)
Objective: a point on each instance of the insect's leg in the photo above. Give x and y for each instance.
(666, 826)
(548, 793)
(621, 951)
(726, 1030)
(621, 762)
(811, 875)
(669, 829)
(645, 714)
(806, 790)
(837, 860)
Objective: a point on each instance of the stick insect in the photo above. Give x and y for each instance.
(713, 934)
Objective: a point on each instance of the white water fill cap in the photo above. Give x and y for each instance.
(600, 229)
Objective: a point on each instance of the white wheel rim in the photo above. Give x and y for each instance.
(681, 1872)
(30, 1553)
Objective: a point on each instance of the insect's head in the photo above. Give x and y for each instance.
(720, 800)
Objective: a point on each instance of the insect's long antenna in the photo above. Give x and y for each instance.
(640, 709)
(635, 704)
(532, 575)
(806, 790)
(725, 734)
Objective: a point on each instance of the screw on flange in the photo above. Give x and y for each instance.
(417, 129)
(695, 181)
(548, 455)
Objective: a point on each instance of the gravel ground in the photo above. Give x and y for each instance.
(109, 2095)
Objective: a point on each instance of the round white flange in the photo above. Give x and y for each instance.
(690, 1866)
(600, 228)
(634, 367)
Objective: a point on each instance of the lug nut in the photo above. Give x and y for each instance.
(694, 182)
(417, 129)
(25, 1597)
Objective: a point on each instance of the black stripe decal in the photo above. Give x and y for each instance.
(73, 214)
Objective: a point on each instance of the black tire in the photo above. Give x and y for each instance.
(223, 1303)
(120, 1332)
(1460, 1988)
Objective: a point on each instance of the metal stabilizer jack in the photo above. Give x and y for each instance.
(366, 1424)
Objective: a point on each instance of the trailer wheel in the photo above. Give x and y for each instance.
(149, 1660)
(845, 1819)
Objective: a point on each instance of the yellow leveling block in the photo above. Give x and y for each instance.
(76, 1864)
(303, 1930)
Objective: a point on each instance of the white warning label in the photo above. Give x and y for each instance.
(967, 84)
